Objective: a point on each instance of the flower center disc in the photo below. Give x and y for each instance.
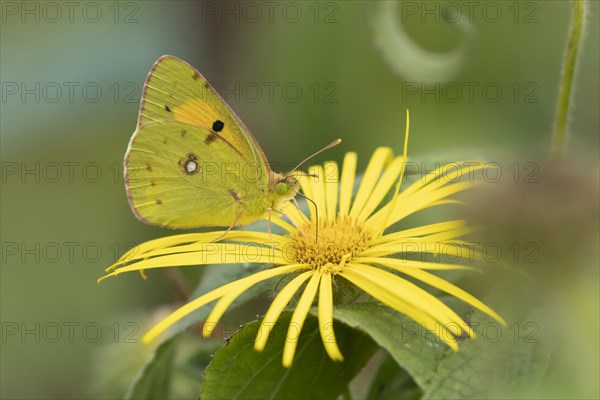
(337, 238)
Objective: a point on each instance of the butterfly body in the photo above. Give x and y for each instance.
(191, 162)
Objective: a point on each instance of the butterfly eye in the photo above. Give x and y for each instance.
(282, 188)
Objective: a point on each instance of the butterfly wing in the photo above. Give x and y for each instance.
(180, 175)
(176, 90)
(183, 123)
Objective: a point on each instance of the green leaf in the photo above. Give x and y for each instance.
(501, 361)
(238, 371)
(498, 363)
(154, 381)
(392, 382)
(409, 344)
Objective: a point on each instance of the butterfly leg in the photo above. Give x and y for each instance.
(233, 224)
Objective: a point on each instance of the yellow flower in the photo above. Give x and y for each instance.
(351, 243)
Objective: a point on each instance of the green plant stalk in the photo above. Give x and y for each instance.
(578, 17)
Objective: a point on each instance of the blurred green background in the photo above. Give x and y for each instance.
(299, 74)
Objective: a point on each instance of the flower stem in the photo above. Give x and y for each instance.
(578, 16)
(181, 288)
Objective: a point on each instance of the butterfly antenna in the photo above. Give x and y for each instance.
(316, 215)
(330, 145)
(306, 175)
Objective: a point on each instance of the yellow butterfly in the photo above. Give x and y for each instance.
(192, 163)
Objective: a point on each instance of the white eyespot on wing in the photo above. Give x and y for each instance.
(191, 166)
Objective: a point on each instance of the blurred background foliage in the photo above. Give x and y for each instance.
(61, 332)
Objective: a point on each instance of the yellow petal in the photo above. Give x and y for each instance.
(446, 202)
(388, 179)
(424, 199)
(194, 242)
(281, 223)
(451, 235)
(423, 246)
(421, 231)
(392, 300)
(385, 217)
(168, 241)
(425, 187)
(415, 264)
(413, 295)
(291, 210)
(439, 283)
(446, 175)
(347, 182)
(212, 296)
(318, 191)
(381, 158)
(213, 253)
(306, 185)
(331, 187)
(277, 306)
(325, 313)
(298, 318)
(219, 309)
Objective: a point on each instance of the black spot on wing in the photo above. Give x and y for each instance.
(167, 108)
(158, 201)
(218, 126)
(183, 132)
